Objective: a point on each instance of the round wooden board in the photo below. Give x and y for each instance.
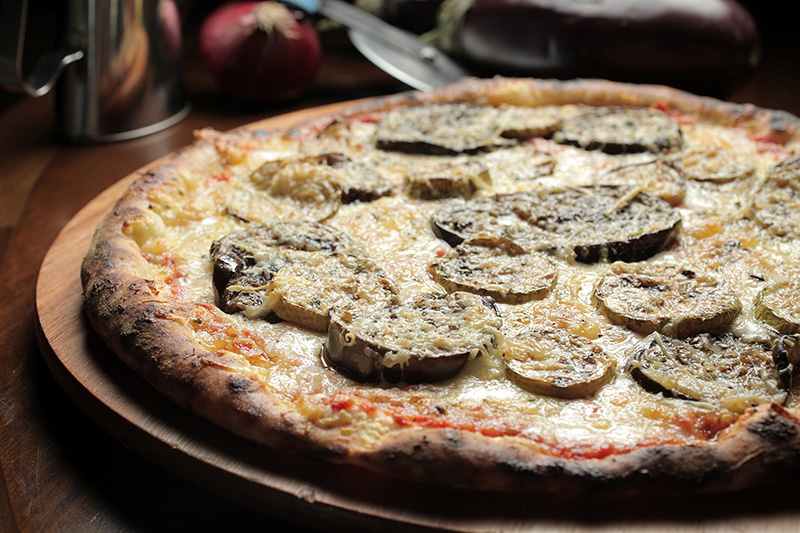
(315, 493)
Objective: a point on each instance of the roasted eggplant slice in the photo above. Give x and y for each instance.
(358, 182)
(313, 189)
(450, 180)
(786, 354)
(495, 267)
(254, 271)
(245, 260)
(656, 177)
(620, 130)
(778, 306)
(303, 291)
(554, 362)
(723, 370)
(300, 236)
(596, 223)
(429, 338)
(714, 164)
(776, 206)
(669, 299)
(460, 220)
(441, 129)
(517, 122)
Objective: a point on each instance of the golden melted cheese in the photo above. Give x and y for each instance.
(210, 201)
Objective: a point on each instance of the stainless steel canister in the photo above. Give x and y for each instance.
(117, 72)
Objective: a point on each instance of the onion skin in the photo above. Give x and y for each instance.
(260, 51)
(705, 46)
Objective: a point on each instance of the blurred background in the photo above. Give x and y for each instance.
(343, 73)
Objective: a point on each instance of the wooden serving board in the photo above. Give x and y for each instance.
(314, 493)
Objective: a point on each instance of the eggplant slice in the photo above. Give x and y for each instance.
(442, 129)
(724, 370)
(248, 258)
(776, 206)
(619, 130)
(458, 179)
(786, 354)
(714, 164)
(595, 223)
(555, 362)
(294, 271)
(778, 306)
(429, 338)
(669, 299)
(495, 267)
(657, 177)
(358, 182)
(518, 122)
(458, 221)
(302, 292)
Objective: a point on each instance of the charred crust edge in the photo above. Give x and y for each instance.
(764, 445)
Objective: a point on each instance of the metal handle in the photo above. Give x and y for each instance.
(47, 68)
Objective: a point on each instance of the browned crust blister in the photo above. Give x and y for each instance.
(144, 327)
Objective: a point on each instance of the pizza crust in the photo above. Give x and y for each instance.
(762, 446)
(146, 325)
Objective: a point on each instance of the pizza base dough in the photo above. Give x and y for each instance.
(136, 299)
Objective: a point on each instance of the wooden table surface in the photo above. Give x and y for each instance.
(59, 470)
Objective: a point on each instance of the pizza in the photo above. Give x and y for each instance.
(505, 284)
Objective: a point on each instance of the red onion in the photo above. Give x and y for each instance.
(260, 51)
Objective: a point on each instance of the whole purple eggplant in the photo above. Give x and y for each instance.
(707, 46)
(416, 16)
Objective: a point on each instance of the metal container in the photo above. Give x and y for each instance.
(117, 73)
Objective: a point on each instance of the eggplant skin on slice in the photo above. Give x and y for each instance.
(460, 220)
(303, 291)
(451, 180)
(555, 362)
(357, 182)
(591, 223)
(724, 370)
(429, 338)
(519, 122)
(670, 299)
(786, 354)
(496, 267)
(595, 223)
(294, 271)
(442, 129)
(619, 130)
(245, 260)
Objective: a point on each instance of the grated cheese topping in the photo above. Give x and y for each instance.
(395, 233)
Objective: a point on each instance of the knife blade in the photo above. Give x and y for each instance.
(399, 53)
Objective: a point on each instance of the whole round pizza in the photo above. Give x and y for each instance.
(505, 284)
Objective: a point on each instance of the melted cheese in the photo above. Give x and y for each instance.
(395, 232)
